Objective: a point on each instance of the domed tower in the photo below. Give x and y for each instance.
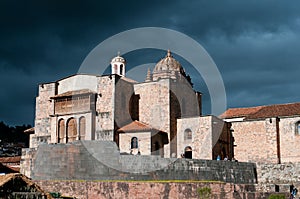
(168, 67)
(118, 65)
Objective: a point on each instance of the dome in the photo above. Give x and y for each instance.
(168, 64)
(118, 59)
(118, 65)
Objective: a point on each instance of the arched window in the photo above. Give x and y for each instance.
(187, 134)
(61, 131)
(71, 130)
(121, 69)
(82, 128)
(134, 143)
(298, 128)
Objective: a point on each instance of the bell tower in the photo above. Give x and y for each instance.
(118, 65)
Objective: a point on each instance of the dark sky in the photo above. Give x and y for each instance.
(255, 44)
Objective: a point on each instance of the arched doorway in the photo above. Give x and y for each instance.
(71, 130)
(188, 152)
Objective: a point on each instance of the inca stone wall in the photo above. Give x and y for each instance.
(285, 173)
(280, 177)
(27, 163)
(96, 160)
(153, 190)
(92, 189)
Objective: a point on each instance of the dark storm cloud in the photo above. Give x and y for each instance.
(255, 44)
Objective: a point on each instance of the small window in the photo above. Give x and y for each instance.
(187, 134)
(298, 128)
(121, 69)
(134, 143)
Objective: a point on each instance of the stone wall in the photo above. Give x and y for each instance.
(153, 190)
(252, 141)
(44, 108)
(186, 97)
(96, 160)
(289, 139)
(123, 92)
(207, 132)
(201, 141)
(26, 162)
(104, 120)
(144, 142)
(154, 106)
(256, 140)
(285, 173)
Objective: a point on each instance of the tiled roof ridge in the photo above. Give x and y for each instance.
(264, 111)
(137, 125)
(10, 159)
(241, 109)
(276, 110)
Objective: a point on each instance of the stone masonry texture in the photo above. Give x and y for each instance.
(101, 160)
(153, 190)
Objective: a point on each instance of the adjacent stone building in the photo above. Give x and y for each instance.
(266, 134)
(160, 116)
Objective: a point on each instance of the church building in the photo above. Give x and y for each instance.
(160, 116)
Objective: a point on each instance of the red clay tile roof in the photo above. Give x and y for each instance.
(240, 112)
(15, 159)
(262, 112)
(137, 126)
(73, 93)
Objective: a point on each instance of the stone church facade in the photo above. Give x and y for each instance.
(266, 134)
(160, 116)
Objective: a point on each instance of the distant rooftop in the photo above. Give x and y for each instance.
(137, 126)
(262, 112)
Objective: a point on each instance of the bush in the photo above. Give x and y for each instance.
(276, 196)
(204, 192)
